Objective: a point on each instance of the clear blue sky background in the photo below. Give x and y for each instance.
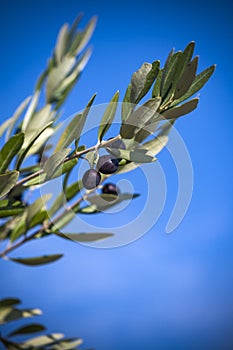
(163, 291)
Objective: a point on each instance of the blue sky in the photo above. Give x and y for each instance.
(162, 291)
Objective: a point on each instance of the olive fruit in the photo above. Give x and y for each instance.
(110, 188)
(107, 164)
(91, 179)
(118, 144)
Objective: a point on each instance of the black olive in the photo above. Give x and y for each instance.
(91, 179)
(110, 188)
(107, 164)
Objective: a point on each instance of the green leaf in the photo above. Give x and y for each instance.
(31, 109)
(85, 36)
(126, 106)
(177, 112)
(29, 144)
(57, 75)
(62, 169)
(106, 201)
(9, 150)
(108, 116)
(67, 344)
(89, 209)
(41, 118)
(7, 182)
(17, 114)
(186, 78)
(71, 192)
(150, 78)
(39, 260)
(127, 167)
(197, 84)
(62, 43)
(165, 69)
(139, 118)
(74, 129)
(31, 328)
(42, 341)
(9, 302)
(86, 237)
(54, 161)
(8, 314)
(160, 141)
(170, 73)
(138, 81)
(138, 155)
(11, 210)
(4, 126)
(157, 85)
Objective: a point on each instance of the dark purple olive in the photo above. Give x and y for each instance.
(107, 164)
(110, 188)
(118, 144)
(91, 179)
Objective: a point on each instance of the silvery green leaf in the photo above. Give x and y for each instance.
(28, 143)
(197, 84)
(157, 85)
(5, 126)
(106, 201)
(10, 209)
(28, 329)
(108, 116)
(137, 155)
(42, 341)
(17, 114)
(9, 150)
(86, 236)
(186, 79)
(8, 314)
(7, 182)
(31, 109)
(39, 260)
(138, 81)
(62, 43)
(159, 142)
(41, 117)
(150, 78)
(74, 129)
(177, 112)
(57, 75)
(85, 36)
(139, 118)
(9, 302)
(169, 75)
(127, 106)
(54, 161)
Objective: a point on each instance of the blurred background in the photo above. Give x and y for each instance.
(161, 291)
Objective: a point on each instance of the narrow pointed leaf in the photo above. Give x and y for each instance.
(9, 302)
(7, 182)
(171, 72)
(200, 80)
(139, 118)
(106, 201)
(17, 114)
(157, 85)
(86, 35)
(177, 112)
(8, 314)
(29, 144)
(138, 155)
(31, 109)
(54, 161)
(31, 328)
(5, 126)
(108, 116)
(42, 341)
(160, 141)
(86, 237)
(186, 78)
(40, 260)
(74, 129)
(127, 106)
(9, 150)
(62, 43)
(138, 81)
